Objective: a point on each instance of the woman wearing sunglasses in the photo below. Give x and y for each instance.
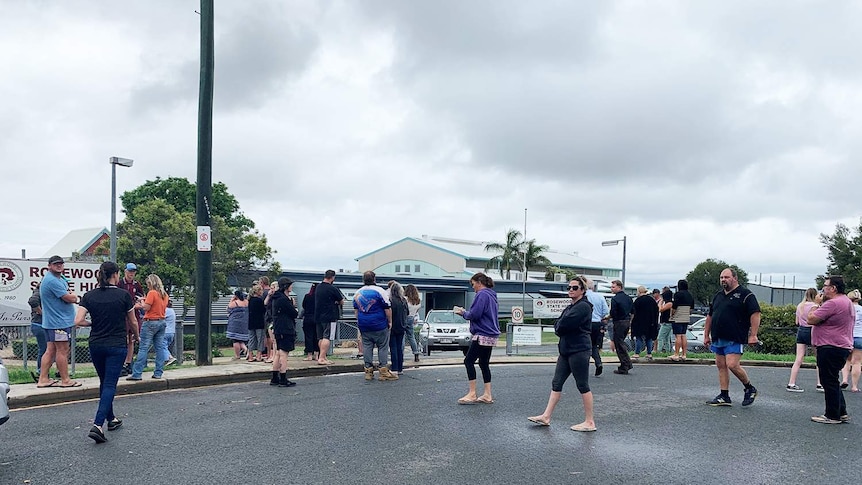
(573, 328)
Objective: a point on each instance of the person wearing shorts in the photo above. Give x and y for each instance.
(683, 302)
(58, 318)
(327, 301)
(734, 318)
(803, 338)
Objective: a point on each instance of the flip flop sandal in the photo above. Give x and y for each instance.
(538, 421)
(467, 401)
(50, 384)
(582, 428)
(485, 401)
(73, 384)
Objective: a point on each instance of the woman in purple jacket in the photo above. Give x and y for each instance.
(485, 330)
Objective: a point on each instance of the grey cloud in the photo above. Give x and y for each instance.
(257, 52)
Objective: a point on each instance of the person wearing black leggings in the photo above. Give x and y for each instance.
(573, 327)
(485, 331)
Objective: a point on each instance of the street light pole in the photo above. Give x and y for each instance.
(615, 242)
(123, 162)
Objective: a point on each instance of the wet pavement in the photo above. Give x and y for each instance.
(653, 427)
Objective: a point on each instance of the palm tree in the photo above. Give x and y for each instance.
(534, 255)
(510, 253)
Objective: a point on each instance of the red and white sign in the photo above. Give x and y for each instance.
(550, 307)
(18, 278)
(205, 238)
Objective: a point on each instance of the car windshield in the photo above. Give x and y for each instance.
(698, 325)
(443, 317)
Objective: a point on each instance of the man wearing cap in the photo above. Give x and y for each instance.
(58, 318)
(134, 288)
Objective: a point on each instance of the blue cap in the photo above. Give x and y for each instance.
(131, 267)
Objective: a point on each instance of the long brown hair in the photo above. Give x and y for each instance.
(412, 294)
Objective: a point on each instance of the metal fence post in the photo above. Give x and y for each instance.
(24, 350)
(74, 342)
(509, 336)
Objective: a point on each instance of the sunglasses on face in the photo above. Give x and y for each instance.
(573, 288)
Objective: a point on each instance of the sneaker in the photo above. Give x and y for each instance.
(621, 372)
(98, 436)
(127, 369)
(819, 388)
(845, 418)
(823, 419)
(114, 424)
(750, 394)
(720, 401)
(171, 361)
(599, 370)
(794, 388)
(133, 378)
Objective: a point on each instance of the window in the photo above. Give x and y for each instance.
(415, 268)
(397, 268)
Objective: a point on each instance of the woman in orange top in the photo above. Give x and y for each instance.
(153, 329)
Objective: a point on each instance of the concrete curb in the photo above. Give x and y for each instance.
(28, 395)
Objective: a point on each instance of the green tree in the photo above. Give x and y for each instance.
(845, 250)
(159, 235)
(534, 254)
(182, 195)
(703, 279)
(509, 253)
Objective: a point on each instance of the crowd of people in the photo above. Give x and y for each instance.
(262, 327)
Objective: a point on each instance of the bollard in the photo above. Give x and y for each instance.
(509, 336)
(178, 342)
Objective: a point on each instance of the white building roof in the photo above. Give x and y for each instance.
(76, 241)
(476, 250)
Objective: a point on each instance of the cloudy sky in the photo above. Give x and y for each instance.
(695, 129)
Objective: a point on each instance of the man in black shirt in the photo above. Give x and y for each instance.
(733, 320)
(327, 301)
(621, 309)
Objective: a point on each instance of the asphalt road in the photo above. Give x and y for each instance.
(653, 427)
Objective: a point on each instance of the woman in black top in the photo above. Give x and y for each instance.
(284, 315)
(399, 324)
(112, 318)
(256, 324)
(309, 327)
(573, 327)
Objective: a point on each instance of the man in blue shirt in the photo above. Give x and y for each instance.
(374, 318)
(58, 318)
(599, 324)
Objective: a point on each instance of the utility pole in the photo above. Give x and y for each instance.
(203, 267)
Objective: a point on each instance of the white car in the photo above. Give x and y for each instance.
(444, 330)
(4, 393)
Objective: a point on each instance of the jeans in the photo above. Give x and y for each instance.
(152, 332)
(830, 360)
(411, 339)
(37, 331)
(379, 339)
(108, 362)
(169, 340)
(665, 338)
(396, 348)
(643, 343)
(621, 330)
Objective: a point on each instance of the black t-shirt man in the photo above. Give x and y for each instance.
(108, 308)
(621, 306)
(731, 314)
(326, 300)
(667, 297)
